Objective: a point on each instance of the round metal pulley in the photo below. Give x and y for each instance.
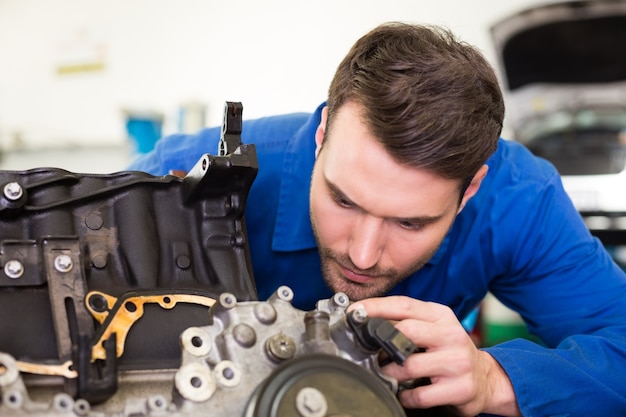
(320, 385)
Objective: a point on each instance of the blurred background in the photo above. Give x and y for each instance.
(74, 72)
(88, 85)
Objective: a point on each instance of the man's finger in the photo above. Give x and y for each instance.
(402, 307)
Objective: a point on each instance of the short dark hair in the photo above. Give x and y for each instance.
(432, 101)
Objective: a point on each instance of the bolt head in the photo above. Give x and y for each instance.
(360, 315)
(13, 191)
(310, 402)
(13, 269)
(63, 263)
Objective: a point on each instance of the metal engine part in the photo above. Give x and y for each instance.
(92, 265)
(255, 359)
(129, 295)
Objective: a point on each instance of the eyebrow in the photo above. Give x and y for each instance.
(418, 219)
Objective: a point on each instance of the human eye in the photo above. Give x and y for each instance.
(342, 201)
(410, 225)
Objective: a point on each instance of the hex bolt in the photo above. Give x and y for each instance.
(13, 191)
(310, 402)
(360, 315)
(14, 269)
(63, 263)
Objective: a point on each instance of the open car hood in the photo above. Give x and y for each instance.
(563, 69)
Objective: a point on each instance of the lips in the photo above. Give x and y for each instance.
(355, 277)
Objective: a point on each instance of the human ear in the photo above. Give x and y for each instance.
(321, 131)
(473, 187)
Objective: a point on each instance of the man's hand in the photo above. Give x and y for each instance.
(461, 375)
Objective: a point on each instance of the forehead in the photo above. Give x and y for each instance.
(357, 164)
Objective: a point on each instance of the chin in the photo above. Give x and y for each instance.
(354, 291)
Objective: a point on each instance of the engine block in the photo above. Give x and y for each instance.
(254, 359)
(130, 295)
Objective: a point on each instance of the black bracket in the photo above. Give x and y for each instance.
(376, 333)
(231, 128)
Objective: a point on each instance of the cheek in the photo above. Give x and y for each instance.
(404, 253)
(331, 223)
(404, 250)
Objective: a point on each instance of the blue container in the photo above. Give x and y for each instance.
(144, 130)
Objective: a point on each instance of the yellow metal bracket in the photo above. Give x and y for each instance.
(117, 315)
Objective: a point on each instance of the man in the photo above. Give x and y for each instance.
(400, 186)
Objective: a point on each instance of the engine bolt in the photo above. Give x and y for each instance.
(13, 191)
(63, 263)
(13, 269)
(310, 402)
(281, 347)
(360, 315)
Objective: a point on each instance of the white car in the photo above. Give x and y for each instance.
(563, 71)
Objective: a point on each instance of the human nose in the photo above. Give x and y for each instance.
(366, 242)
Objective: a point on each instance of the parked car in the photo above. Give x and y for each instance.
(563, 70)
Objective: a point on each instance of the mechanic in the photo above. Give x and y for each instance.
(400, 185)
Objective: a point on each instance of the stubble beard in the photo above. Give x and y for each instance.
(384, 282)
